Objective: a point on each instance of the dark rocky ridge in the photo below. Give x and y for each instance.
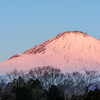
(15, 56)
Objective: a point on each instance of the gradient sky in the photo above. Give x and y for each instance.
(26, 23)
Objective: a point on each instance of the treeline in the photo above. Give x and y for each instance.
(49, 83)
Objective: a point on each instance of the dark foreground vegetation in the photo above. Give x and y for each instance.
(48, 83)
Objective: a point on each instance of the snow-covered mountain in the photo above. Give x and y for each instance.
(69, 51)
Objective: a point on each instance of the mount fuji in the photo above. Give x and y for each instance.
(70, 51)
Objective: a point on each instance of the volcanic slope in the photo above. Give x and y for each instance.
(69, 51)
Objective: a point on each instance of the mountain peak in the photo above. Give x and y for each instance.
(80, 32)
(41, 47)
(73, 32)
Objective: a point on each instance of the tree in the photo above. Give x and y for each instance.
(35, 88)
(53, 93)
(20, 89)
(47, 75)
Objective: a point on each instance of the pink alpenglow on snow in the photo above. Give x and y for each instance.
(69, 51)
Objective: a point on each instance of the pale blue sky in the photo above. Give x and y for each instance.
(26, 23)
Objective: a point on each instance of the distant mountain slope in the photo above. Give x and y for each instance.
(70, 51)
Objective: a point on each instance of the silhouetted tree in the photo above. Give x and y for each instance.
(20, 89)
(47, 75)
(53, 93)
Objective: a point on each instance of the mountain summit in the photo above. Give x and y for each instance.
(42, 47)
(69, 51)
